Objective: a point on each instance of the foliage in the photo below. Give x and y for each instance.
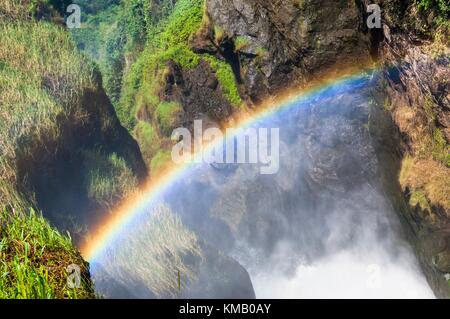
(170, 247)
(34, 257)
(440, 6)
(108, 177)
(166, 116)
(42, 80)
(148, 139)
(226, 79)
(133, 43)
(159, 162)
(241, 43)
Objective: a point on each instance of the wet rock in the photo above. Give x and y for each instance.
(198, 91)
(284, 42)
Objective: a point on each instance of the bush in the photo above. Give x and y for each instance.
(226, 79)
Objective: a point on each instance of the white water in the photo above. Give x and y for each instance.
(320, 228)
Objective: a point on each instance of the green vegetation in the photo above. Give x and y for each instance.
(440, 148)
(441, 6)
(167, 40)
(261, 52)
(34, 258)
(173, 249)
(149, 140)
(428, 178)
(166, 116)
(419, 198)
(132, 41)
(219, 34)
(42, 79)
(431, 141)
(159, 161)
(102, 39)
(241, 43)
(226, 78)
(108, 178)
(441, 9)
(44, 84)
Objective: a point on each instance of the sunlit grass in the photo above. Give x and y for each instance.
(34, 258)
(161, 247)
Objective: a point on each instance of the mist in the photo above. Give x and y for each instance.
(319, 228)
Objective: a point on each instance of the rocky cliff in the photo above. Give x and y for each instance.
(272, 44)
(188, 59)
(413, 50)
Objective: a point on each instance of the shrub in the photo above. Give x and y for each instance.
(441, 6)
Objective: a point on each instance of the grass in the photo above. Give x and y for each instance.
(164, 30)
(226, 79)
(166, 116)
(419, 198)
(42, 80)
(428, 178)
(426, 172)
(167, 40)
(219, 34)
(159, 161)
(108, 178)
(169, 248)
(241, 43)
(148, 139)
(34, 258)
(440, 150)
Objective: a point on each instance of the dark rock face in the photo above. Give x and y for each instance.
(280, 43)
(198, 91)
(418, 93)
(202, 271)
(326, 198)
(272, 45)
(220, 277)
(56, 175)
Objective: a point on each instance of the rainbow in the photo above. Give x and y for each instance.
(109, 229)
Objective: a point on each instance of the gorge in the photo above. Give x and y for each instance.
(359, 207)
